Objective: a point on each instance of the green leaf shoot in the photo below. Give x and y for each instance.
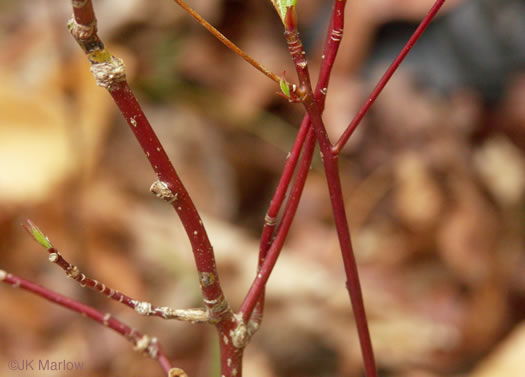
(285, 87)
(37, 234)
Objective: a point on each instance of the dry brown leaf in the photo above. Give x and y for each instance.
(507, 359)
(44, 136)
(469, 233)
(417, 198)
(502, 167)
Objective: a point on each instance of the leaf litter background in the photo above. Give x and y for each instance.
(434, 181)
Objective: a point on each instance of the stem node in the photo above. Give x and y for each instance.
(143, 308)
(269, 220)
(82, 32)
(177, 372)
(109, 72)
(240, 335)
(161, 190)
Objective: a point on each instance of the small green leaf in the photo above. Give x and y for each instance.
(39, 237)
(285, 88)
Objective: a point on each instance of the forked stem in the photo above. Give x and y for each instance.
(234, 330)
(331, 47)
(334, 186)
(232, 46)
(109, 73)
(386, 77)
(141, 307)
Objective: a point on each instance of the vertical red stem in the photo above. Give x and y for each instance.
(336, 197)
(259, 283)
(333, 39)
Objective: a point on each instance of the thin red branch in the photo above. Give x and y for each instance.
(141, 307)
(270, 220)
(331, 47)
(336, 196)
(109, 73)
(386, 77)
(259, 283)
(83, 11)
(225, 41)
(232, 46)
(182, 203)
(142, 343)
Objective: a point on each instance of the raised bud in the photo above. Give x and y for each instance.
(37, 235)
(177, 372)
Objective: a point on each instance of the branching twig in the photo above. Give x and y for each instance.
(234, 330)
(232, 46)
(334, 186)
(330, 159)
(141, 307)
(272, 254)
(331, 47)
(109, 73)
(141, 343)
(386, 77)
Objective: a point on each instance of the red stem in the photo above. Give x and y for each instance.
(336, 197)
(282, 187)
(83, 12)
(333, 39)
(329, 54)
(159, 160)
(270, 220)
(108, 72)
(153, 149)
(143, 308)
(386, 77)
(140, 341)
(259, 283)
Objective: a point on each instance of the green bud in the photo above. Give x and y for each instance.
(285, 88)
(38, 236)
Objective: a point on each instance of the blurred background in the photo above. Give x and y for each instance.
(434, 182)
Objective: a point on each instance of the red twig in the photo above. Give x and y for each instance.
(142, 343)
(270, 220)
(271, 257)
(83, 11)
(109, 73)
(333, 39)
(334, 186)
(234, 331)
(232, 46)
(386, 77)
(141, 307)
